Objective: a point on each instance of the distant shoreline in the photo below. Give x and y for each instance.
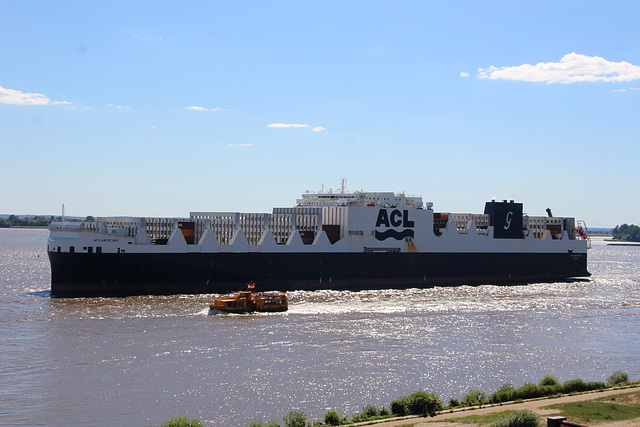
(27, 227)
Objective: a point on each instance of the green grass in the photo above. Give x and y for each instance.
(480, 419)
(594, 411)
(630, 399)
(600, 410)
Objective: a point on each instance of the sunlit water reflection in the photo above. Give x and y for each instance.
(146, 359)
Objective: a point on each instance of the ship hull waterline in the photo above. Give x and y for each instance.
(109, 274)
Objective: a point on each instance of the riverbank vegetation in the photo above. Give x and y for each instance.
(597, 410)
(627, 233)
(548, 386)
(423, 403)
(15, 221)
(35, 221)
(182, 422)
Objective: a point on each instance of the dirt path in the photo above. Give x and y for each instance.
(533, 405)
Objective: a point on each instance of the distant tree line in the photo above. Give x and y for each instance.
(628, 233)
(34, 221)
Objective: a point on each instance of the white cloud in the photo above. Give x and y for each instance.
(463, 74)
(572, 68)
(296, 125)
(627, 89)
(15, 97)
(196, 108)
(119, 107)
(287, 125)
(239, 145)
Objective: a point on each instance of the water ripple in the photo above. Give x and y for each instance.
(146, 359)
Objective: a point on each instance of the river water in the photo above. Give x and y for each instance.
(143, 360)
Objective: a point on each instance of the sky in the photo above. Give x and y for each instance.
(162, 108)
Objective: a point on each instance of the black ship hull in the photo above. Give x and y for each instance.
(111, 274)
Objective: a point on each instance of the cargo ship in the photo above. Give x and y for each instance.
(329, 240)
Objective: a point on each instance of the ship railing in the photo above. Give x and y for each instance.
(71, 226)
(582, 232)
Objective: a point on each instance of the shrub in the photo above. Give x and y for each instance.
(471, 398)
(415, 403)
(332, 418)
(550, 390)
(501, 396)
(357, 418)
(182, 422)
(523, 418)
(527, 391)
(417, 400)
(453, 403)
(506, 387)
(260, 423)
(398, 407)
(573, 386)
(384, 412)
(548, 380)
(504, 393)
(596, 385)
(618, 377)
(295, 418)
(370, 411)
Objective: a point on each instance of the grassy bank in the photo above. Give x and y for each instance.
(602, 410)
(426, 403)
(598, 410)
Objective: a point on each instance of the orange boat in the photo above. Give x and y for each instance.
(249, 301)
